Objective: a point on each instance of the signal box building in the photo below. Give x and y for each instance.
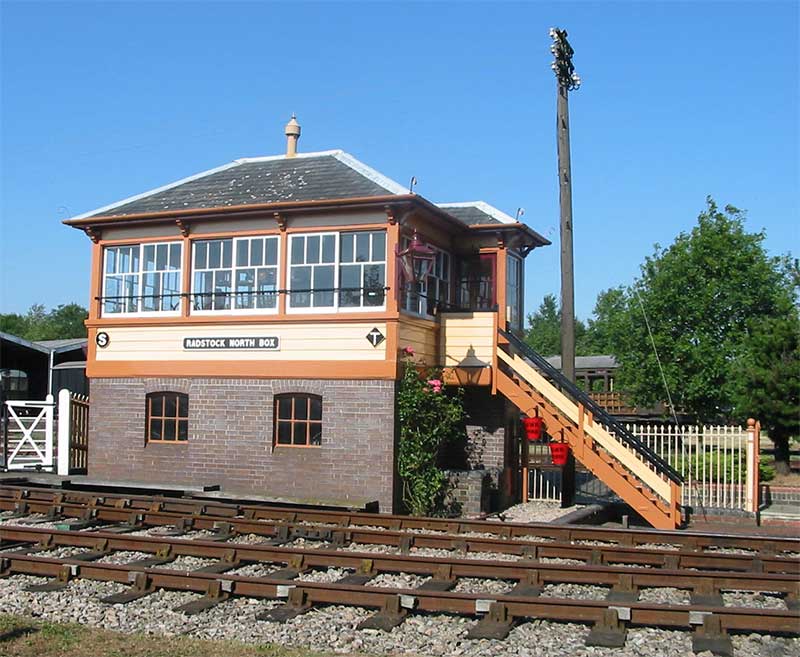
(247, 328)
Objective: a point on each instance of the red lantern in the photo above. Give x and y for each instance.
(533, 427)
(559, 453)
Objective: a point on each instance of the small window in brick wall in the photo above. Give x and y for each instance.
(298, 420)
(167, 417)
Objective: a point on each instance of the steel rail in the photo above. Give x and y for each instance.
(532, 573)
(282, 531)
(739, 619)
(504, 530)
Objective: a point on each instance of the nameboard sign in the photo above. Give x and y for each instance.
(271, 343)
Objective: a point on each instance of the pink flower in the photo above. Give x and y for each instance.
(408, 351)
(436, 384)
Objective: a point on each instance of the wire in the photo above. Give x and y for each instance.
(666, 388)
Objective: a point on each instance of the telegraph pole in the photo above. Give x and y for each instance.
(567, 81)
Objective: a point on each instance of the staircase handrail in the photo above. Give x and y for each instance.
(621, 433)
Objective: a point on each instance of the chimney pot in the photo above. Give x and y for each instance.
(292, 131)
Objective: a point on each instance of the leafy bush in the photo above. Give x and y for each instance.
(430, 417)
(732, 467)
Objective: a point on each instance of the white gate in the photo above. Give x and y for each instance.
(28, 435)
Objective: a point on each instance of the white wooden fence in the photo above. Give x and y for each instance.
(719, 464)
(28, 434)
(29, 439)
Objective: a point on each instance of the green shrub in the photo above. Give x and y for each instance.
(429, 418)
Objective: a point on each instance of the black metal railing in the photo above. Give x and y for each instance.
(365, 291)
(599, 413)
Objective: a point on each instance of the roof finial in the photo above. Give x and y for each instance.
(292, 131)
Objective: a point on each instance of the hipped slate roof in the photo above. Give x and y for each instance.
(321, 176)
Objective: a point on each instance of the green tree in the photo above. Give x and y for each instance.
(605, 325)
(65, 321)
(723, 320)
(768, 378)
(544, 329)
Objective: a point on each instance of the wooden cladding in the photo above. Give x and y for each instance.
(467, 339)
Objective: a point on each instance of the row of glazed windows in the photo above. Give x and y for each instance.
(297, 419)
(326, 272)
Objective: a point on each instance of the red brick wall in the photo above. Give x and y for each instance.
(231, 443)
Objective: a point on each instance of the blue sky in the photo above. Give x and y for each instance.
(101, 101)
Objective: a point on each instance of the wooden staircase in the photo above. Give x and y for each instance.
(640, 477)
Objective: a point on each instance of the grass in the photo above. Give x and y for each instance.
(25, 637)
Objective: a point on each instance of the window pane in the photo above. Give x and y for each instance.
(183, 405)
(131, 292)
(346, 248)
(242, 259)
(170, 430)
(301, 280)
(374, 277)
(175, 256)
(170, 285)
(170, 405)
(299, 433)
(200, 255)
(162, 251)
(157, 405)
(271, 251)
(151, 292)
(362, 247)
(285, 408)
(323, 280)
(134, 263)
(112, 290)
(245, 283)
(227, 249)
(316, 408)
(312, 249)
(350, 278)
(215, 254)
(316, 433)
(149, 257)
(256, 252)
(328, 248)
(183, 430)
(298, 250)
(222, 286)
(267, 284)
(301, 408)
(155, 430)
(379, 246)
(203, 282)
(111, 260)
(284, 433)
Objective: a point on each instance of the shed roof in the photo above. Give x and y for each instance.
(600, 362)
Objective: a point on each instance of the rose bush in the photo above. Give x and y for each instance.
(430, 416)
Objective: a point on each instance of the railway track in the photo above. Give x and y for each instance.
(23, 550)
(546, 540)
(235, 536)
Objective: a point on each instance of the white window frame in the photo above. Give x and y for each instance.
(361, 264)
(335, 308)
(233, 310)
(139, 277)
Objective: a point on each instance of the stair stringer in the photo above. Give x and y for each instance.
(658, 514)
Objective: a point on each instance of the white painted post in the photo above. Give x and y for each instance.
(751, 484)
(64, 423)
(48, 431)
